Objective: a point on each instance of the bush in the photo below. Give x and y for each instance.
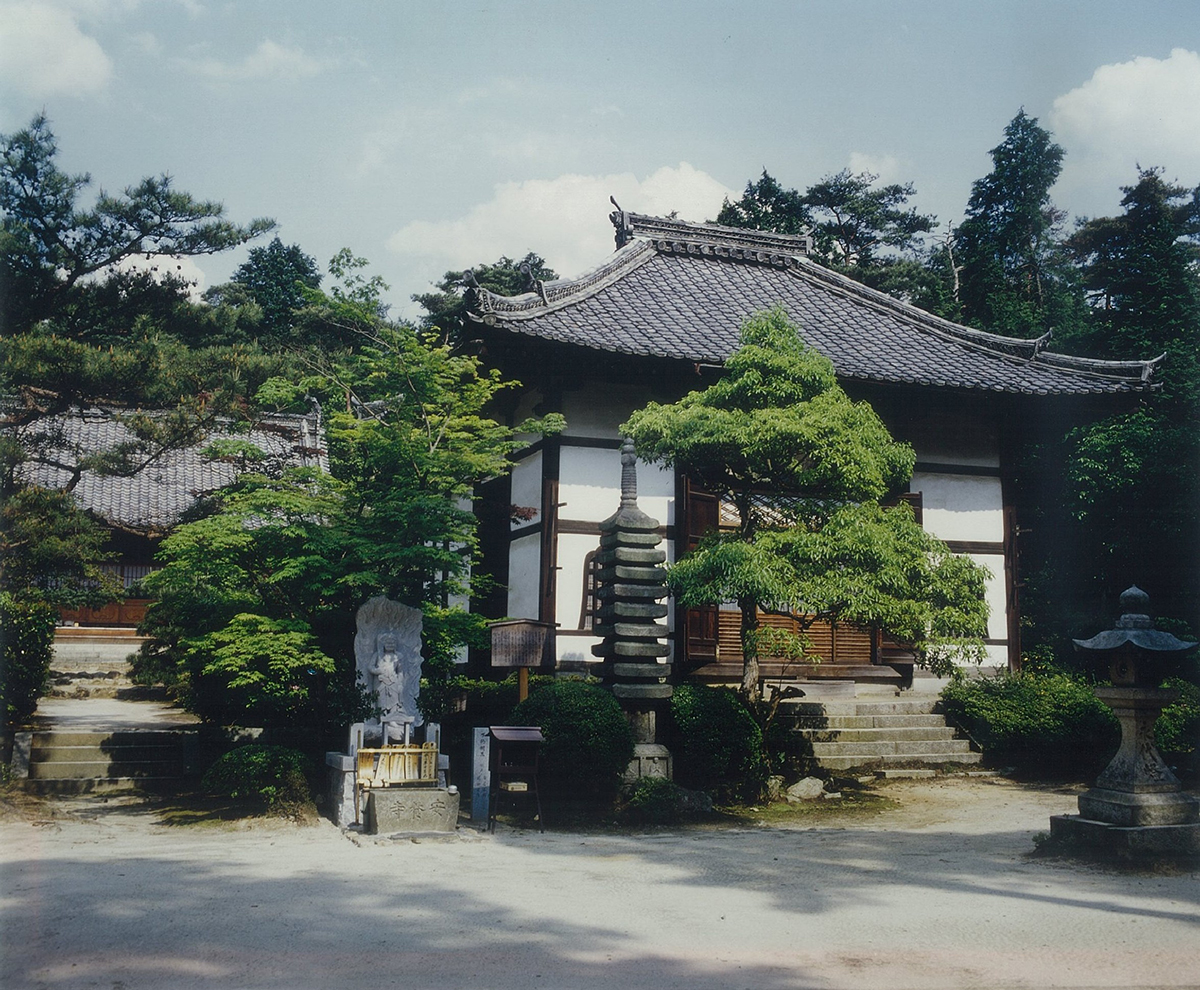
(588, 741)
(717, 743)
(269, 775)
(26, 646)
(655, 801)
(1036, 722)
(1177, 731)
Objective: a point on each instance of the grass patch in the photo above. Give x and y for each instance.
(853, 803)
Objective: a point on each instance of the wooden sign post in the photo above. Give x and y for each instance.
(522, 643)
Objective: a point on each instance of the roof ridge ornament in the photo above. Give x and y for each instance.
(683, 235)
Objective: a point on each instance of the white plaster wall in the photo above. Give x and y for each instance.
(527, 487)
(590, 486)
(597, 409)
(524, 564)
(961, 506)
(994, 594)
(576, 648)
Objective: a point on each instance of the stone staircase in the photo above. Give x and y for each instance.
(92, 662)
(877, 733)
(109, 761)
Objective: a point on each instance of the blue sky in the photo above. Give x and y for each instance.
(427, 136)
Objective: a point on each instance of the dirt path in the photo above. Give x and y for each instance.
(936, 891)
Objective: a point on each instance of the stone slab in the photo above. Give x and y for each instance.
(647, 692)
(1125, 842)
(640, 670)
(402, 809)
(1138, 809)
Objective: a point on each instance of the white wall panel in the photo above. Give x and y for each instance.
(961, 506)
(527, 487)
(590, 486)
(524, 566)
(995, 594)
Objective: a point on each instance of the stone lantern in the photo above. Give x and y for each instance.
(1137, 805)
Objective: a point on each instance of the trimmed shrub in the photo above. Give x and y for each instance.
(1177, 731)
(588, 740)
(717, 743)
(1038, 723)
(26, 646)
(270, 775)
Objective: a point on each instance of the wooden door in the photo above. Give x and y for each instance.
(702, 514)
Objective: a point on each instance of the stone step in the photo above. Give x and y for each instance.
(923, 733)
(867, 721)
(919, 707)
(885, 747)
(105, 769)
(66, 787)
(99, 737)
(91, 753)
(898, 759)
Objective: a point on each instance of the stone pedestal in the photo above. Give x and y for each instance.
(341, 788)
(1137, 788)
(416, 809)
(1138, 807)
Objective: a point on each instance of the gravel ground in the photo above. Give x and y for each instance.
(938, 890)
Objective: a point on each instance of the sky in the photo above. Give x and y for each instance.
(429, 136)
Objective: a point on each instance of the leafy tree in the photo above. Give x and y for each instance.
(858, 229)
(49, 243)
(805, 468)
(275, 277)
(1134, 478)
(766, 205)
(853, 220)
(293, 557)
(1011, 277)
(446, 309)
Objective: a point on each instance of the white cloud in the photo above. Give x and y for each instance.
(270, 60)
(44, 53)
(1142, 112)
(565, 219)
(886, 167)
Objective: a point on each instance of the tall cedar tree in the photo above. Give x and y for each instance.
(275, 277)
(1135, 478)
(1010, 276)
(805, 469)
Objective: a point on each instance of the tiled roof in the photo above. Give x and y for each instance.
(154, 499)
(680, 290)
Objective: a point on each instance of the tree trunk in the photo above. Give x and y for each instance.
(749, 690)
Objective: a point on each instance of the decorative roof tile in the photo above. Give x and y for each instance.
(682, 291)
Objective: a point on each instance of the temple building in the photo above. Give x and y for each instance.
(657, 320)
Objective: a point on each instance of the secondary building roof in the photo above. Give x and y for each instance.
(682, 290)
(153, 500)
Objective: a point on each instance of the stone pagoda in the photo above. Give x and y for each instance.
(630, 588)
